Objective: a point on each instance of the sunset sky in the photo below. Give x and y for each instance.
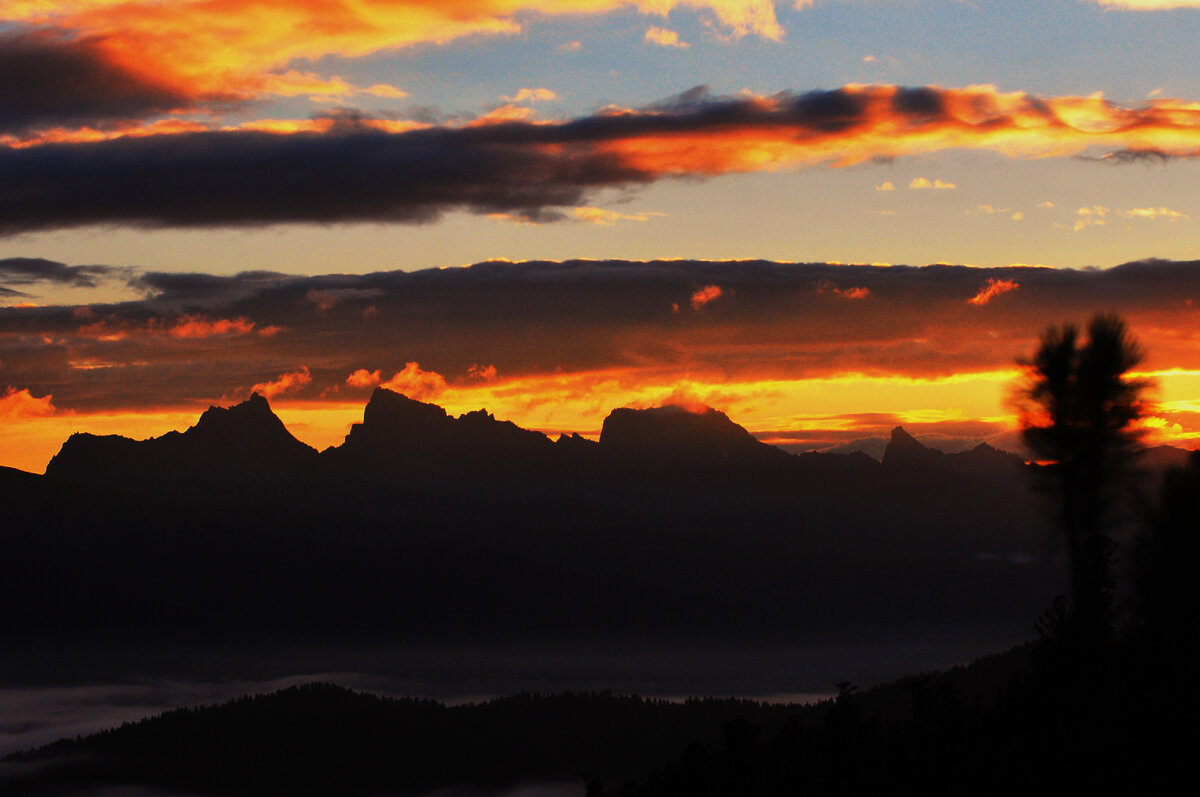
(550, 208)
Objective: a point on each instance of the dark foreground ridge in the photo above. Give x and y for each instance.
(1008, 724)
(323, 739)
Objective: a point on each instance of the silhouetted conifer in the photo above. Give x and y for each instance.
(1078, 408)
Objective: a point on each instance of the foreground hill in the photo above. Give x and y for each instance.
(324, 739)
(1013, 723)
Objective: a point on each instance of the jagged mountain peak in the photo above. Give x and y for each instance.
(903, 447)
(253, 412)
(250, 427)
(984, 457)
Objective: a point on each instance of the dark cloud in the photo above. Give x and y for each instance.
(197, 290)
(49, 80)
(356, 171)
(921, 100)
(251, 178)
(29, 270)
(773, 321)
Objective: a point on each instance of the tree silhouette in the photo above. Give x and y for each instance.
(1078, 406)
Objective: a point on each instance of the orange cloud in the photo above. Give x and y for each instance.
(856, 292)
(991, 289)
(237, 47)
(83, 135)
(16, 404)
(286, 383)
(705, 295)
(487, 373)
(189, 326)
(364, 378)
(186, 326)
(502, 115)
(416, 383)
(773, 135)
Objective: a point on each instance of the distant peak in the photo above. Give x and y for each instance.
(905, 447)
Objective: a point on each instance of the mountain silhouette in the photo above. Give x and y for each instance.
(241, 448)
(904, 448)
(409, 442)
(421, 525)
(692, 436)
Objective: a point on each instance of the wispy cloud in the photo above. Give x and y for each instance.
(925, 182)
(607, 218)
(1098, 215)
(991, 289)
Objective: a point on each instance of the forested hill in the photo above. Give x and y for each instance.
(324, 739)
(1033, 720)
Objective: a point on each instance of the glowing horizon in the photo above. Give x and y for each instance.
(832, 417)
(637, 200)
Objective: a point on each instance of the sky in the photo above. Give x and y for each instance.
(825, 218)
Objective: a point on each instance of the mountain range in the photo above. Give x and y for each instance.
(422, 526)
(246, 448)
